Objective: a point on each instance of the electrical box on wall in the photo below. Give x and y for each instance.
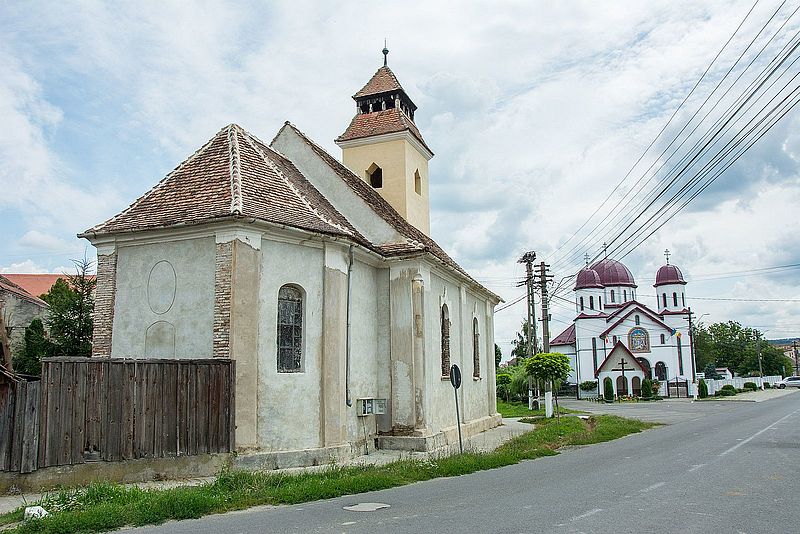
(370, 406)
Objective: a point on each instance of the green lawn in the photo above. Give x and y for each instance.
(103, 506)
(520, 409)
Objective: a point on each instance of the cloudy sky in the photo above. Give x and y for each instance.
(535, 110)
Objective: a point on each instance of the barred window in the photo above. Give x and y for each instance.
(476, 351)
(290, 330)
(445, 341)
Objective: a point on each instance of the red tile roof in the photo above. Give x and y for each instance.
(233, 175)
(18, 291)
(37, 284)
(381, 122)
(383, 81)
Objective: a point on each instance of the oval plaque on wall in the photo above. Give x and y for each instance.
(161, 287)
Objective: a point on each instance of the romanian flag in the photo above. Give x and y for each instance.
(678, 335)
(672, 332)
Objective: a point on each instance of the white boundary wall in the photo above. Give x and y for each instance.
(738, 383)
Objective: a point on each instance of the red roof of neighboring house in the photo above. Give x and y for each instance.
(38, 284)
(18, 291)
(567, 337)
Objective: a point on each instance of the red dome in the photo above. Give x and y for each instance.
(669, 274)
(613, 273)
(588, 278)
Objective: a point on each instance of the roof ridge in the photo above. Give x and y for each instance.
(158, 185)
(250, 139)
(235, 169)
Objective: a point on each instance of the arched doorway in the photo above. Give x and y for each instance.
(622, 386)
(648, 371)
(636, 386)
(661, 371)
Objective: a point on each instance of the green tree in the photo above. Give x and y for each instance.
(498, 356)
(35, 347)
(503, 382)
(702, 389)
(71, 307)
(608, 390)
(520, 344)
(549, 367)
(647, 388)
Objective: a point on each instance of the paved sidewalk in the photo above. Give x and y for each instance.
(483, 442)
(756, 396)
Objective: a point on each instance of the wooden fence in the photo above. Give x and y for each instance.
(87, 409)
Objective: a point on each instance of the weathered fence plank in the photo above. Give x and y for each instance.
(124, 409)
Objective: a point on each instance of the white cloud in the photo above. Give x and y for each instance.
(535, 112)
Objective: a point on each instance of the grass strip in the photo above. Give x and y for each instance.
(520, 409)
(104, 506)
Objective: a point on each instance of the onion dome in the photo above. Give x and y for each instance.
(588, 278)
(669, 274)
(613, 273)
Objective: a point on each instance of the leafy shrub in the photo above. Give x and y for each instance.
(608, 390)
(647, 388)
(588, 385)
(656, 387)
(752, 386)
(727, 392)
(702, 389)
(767, 385)
(729, 387)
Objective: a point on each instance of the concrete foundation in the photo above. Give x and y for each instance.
(444, 439)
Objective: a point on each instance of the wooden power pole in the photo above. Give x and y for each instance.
(528, 258)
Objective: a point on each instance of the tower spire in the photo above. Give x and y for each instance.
(385, 53)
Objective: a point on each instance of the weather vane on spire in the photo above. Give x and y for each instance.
(385, 52)
(666, 253)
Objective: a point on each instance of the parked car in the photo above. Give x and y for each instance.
(789, 381)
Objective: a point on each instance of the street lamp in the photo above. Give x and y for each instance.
(694, 351)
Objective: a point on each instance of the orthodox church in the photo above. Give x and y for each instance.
(317, 276)
(615, 336)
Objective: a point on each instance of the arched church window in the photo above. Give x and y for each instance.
(612, 296)
(476, 352)
(375, 176)
(625, 296)
(680, 357)
(683, 299)
(594, 353)
(638, 340)
(637, 320)
(664, 298)
(581, 303)
(417, 182)
(600, 303)
(663, 339)
(674, 299)
(614, 340)
(445, 341)
(290, 329)
(591, 302)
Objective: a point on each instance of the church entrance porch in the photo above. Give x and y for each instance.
(622, 386)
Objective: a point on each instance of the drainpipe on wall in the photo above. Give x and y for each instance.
(348, 400)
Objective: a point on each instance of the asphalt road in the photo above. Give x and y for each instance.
(725, 467)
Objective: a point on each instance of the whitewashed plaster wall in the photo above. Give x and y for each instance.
(289, 403)
(473, 395)
(364, 350)
(164, 306)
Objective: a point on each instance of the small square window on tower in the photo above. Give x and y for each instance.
(375, 176)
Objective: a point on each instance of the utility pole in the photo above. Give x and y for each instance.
(693, 348)
(760, 369)
(796, 362)
(528, 258)
(543, 277)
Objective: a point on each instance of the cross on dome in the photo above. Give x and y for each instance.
(586, 258)
(666, 254)
(605, 249)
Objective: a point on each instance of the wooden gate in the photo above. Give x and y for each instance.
(118, 409)
(678, 388)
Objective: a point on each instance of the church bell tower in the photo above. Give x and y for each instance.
(383, 146)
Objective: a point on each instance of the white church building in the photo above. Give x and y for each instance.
(317, 276)
(615, 336)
